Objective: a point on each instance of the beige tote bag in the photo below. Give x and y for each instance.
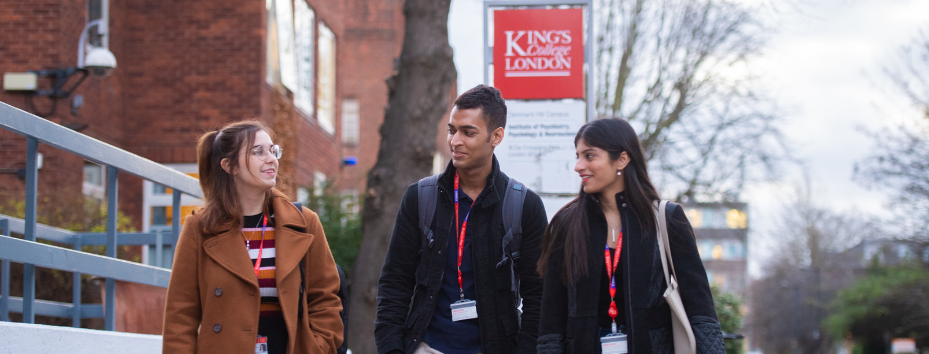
(684, 342)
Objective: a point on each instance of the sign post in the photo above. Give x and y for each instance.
(536, 52)
(543, 43)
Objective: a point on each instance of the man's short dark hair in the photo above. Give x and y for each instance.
(490, 102)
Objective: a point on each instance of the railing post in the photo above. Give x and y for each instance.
(32, 191)
(159, 247)
(112, 212)
(5, 278)
(175, 219)
(76, 289)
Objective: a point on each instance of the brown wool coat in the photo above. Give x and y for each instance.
(213, 301)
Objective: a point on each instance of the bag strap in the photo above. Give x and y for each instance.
(299, 206)
(664, 245)
(428, 194)
(513, 199)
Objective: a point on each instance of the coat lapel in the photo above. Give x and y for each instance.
(228, 250)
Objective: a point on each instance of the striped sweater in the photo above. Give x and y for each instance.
(267, 282)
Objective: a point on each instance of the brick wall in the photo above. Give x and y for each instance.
(188, 67)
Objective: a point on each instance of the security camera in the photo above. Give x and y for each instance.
(100, 62)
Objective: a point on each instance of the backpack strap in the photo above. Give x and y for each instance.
(513, 200)
(428, 190)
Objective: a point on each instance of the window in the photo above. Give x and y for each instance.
(285, 43)
(305, 54)
(94, 181)
(272, 62)
(158, 211)
(350, 122)
(736, 219)
(350, 203)
(695, 217)
(319, 183)
(325, 96)
(717, 252)
(303, 195)
(94, 12)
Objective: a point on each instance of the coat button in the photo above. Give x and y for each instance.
(218, 292)
(217, 328)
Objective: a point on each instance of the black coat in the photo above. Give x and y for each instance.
(414, 271)
(570, 314)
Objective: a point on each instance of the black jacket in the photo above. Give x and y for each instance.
(413, 271)
(570, 315)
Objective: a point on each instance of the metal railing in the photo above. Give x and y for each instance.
(31, 253)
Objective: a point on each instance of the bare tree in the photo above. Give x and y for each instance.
(677, 70)
(418, 98)
(902, 159)
(807, 270)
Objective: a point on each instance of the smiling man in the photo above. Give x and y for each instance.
(458, 266)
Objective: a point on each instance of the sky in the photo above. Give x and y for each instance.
(823, 65)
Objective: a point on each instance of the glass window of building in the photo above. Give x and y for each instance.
(94, 180)
(94, 12)
(325, 96)
(304, 29)
(272, 60)
(285, 44)
(350, 122)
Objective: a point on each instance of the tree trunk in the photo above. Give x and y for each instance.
(418, 98)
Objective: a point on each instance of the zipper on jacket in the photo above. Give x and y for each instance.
(628, 272)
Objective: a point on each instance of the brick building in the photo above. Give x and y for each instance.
(313, 70)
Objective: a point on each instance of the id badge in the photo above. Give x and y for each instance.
(614, 344)
(464, 310)
(261, 345)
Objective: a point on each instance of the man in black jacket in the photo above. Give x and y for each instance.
(422, 281)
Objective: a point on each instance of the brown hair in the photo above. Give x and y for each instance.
(221, 209)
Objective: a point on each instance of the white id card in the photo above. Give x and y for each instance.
(464, 310)
(614, 344)
(261, 345)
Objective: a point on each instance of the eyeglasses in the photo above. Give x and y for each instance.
(274, 150)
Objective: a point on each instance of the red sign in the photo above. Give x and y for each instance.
(539, 54)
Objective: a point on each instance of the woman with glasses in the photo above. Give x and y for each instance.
(600, 261)
(251, 271)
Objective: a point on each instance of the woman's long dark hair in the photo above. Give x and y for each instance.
(571, 222)
(221, 208)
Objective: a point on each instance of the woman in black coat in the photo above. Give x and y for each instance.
(616, 209)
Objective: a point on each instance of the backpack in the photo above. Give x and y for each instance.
(513, 199)
(343, 296)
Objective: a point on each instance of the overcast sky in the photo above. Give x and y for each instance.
(824, 68)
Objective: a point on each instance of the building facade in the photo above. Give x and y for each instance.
(312, 70)
(721, 230)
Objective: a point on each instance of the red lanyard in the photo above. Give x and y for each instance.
(610, 272)
(461, 235)
(261, 245)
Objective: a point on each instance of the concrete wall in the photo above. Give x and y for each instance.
(24, 338)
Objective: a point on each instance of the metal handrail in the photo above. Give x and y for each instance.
(53, 134)
(32, 254)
